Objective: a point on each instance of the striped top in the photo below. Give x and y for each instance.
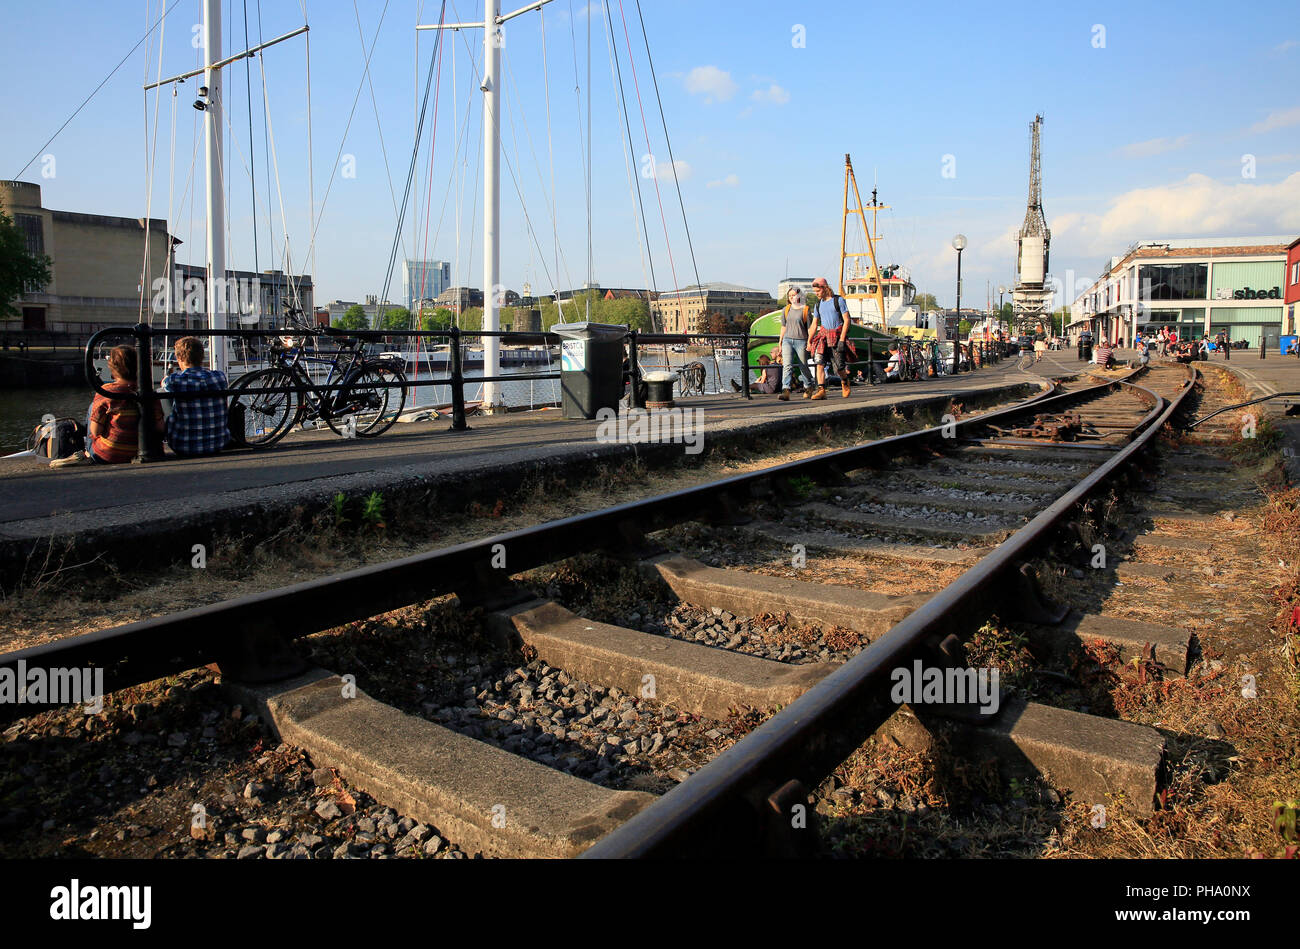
(119, 419)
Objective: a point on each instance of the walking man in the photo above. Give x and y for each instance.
(1221, 341)
(830, 337)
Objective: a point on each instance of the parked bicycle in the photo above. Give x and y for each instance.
(361, 395)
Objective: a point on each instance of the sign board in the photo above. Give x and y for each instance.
(573, 355)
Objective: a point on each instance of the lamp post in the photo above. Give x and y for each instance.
(959, 245)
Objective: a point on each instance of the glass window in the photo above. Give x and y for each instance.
(1174, 281)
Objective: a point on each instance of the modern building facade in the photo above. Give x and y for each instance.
(424, 280)
(1291, 293)
(686, 310)
(1196, 286)
(255, 300)
(802, 284)
(99, 273)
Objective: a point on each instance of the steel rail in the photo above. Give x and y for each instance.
(729, 799)
(166, 645)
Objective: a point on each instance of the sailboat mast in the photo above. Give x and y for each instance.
(215, 191)
(879, 295)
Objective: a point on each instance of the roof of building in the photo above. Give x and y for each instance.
(716, 286)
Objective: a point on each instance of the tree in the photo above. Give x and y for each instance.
(926, 302)
(398, 318)
(18, 266)
(439, 319)
(715, 323)
(353, 318)
(1006, 313)
(964, 327)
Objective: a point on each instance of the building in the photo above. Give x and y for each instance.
(424, 280)
(607, 293)
(685, 310)
(1196, 286)
(1291, 295)
(802, 284)
(460, 298)
(99, 275)
(371, 308)
(254, 300)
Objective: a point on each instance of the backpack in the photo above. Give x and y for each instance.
(58, 438)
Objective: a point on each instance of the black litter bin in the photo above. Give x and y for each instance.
(591, 368)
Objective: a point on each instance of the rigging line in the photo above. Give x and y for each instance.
(252, 142)
(428, 197)
(171, 194)
(410, 174)
(40, 151)
(266, 164)
(537, 165)
(150, 164)
(374, 104)
(550, 150)
(590, 159)
(514, 178)
(343, 141)
(311, 168)
(613, 52)
(582, 143)
(279, 192)
(645, 36)
(462, 140)
(428, 192)
(636, 85)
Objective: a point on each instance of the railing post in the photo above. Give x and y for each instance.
(458, 423)
(871, 364)
(744, 365)
(634, 400)
(148, 445)
(1263, 344)
(956, 355)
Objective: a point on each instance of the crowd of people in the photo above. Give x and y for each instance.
(195, 428)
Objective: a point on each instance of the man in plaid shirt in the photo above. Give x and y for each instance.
(196, 427)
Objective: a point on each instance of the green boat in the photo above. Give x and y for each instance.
(769, 324)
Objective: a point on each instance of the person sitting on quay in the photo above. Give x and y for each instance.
(1104, 355)
(113, 424)
(767, 382)
(197, 427)
(894, 368)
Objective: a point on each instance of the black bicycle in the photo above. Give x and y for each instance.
(361, 395)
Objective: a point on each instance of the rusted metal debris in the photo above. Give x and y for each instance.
(1065, 427)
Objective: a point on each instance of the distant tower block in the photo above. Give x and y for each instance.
(1032, 297)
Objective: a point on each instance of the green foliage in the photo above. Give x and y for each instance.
(354, 318)
(964, 327)
(337, 505)
(801, 486)
(372, 510)
(398, 318)
(630, 311)
(17, 266)
(926, 302)
(439, 319)
(1284, 819)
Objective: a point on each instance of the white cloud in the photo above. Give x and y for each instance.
(772, 95)
(1285, 45)
(670, 170)
(730, 181)
(1278, 120)
(716, 85)
(1154, 146)
(1197, 205)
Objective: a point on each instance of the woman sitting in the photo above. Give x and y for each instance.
(114, 424)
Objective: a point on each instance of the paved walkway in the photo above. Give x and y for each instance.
(40, 502)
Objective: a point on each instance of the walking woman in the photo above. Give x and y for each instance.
(793, 344)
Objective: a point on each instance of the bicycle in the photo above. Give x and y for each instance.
(362, 395)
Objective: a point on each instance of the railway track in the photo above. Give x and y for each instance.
(544, 754)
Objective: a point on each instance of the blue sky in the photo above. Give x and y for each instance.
(1155, 118)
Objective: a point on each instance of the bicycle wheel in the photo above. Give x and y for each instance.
(260, 420)
(371, 402)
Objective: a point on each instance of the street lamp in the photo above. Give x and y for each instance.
(959, 245)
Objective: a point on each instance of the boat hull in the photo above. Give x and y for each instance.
(769, 324)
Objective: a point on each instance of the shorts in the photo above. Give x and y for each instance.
(835, 356)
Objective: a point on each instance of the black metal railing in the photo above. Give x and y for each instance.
(144, 337)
